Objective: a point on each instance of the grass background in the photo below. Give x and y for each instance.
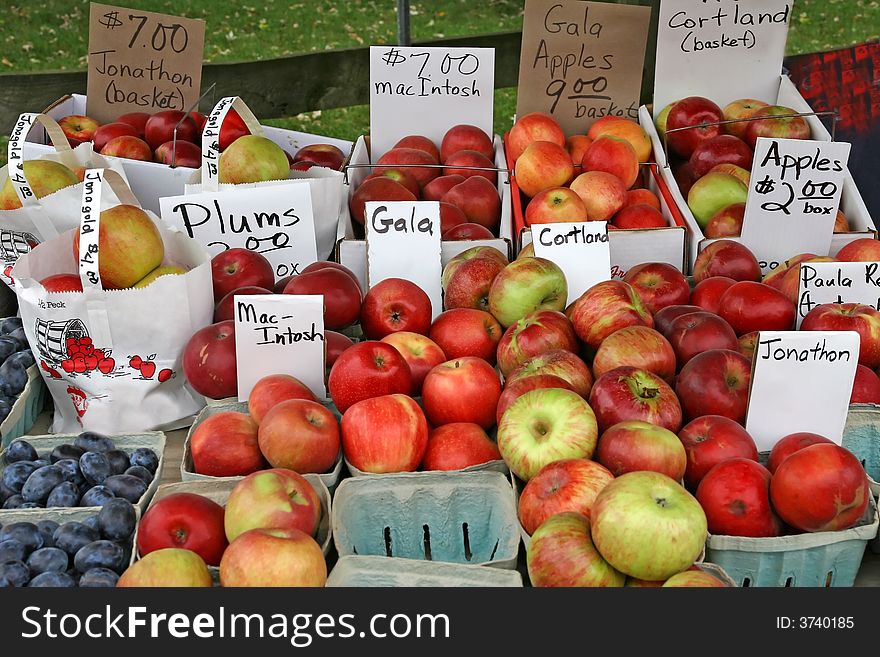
(53, 34)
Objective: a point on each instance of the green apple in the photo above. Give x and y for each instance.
(543, 426)
(169, 567)
(660, 121)
(713, 192)
(251, 158)
(524, 286)
(44, 178)
(562, 553)
(647, 526)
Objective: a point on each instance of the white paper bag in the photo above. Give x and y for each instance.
(144, 327)
(46, 218)
(328, 188)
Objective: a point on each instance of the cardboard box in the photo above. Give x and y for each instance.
(628, 247)
(352, 251)
(150, 180)
(851, 202)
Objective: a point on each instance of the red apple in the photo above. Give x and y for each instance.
(862, 319)
(663, 318)
(684, 176)
(273, 389)
(715, 382)
(636, 346)
(209, 361)
(62, 283)
(788, 445)
(642, 196)
(534, 334)
(820, 488)
(185, 154)
(727, 258)
(605, 308)
(386, 433)
(232, 128)
(435, 189)
(461, 390)
(727, 222)
(694, 333)
(128, 147)
(324, 155)
(159, 128)
(299, 435)
(450, 217)
(334, 345)
(536, 126)
(747, 344)
(841, 223)
(561, 363)
(577, 145)
(465, 137)
(225, 309)
(767, 123)
(420, 352)
(457, 446)
(470, 164)
(78, 128)
(567, 485)
(395, 304)
(236, 268)
(467, 282)
(341, 292)
(276, 498)
(634, 445)
(462, 332)
(397, 156)
(110, 131)
(401, 177)
(273, 557)
(721, 149)
(692, 111)
(543, 165)
(557, 204)
(710, 440)
(707, 293)
(478, 199)
(866, 387)
(421, 143)
(467, 232)
(513, 390)
(735, 495)
(615, 156)
(624, 128)
(186, 521)
(738, 111)
(748, 306)
(866, 249)
(658, 284)
(628, 393)
(225, 445)
(639, 216)
(603, 194)
(379, 188)
(199, 119)
(365, 370)
(326, 264)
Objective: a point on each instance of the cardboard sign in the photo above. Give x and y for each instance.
(279, 334)
(581, 61)
(275, 221)
(580, 249)
(720, 49)
(403, 241)
(793, 198)
(426, 91)
(801, 381)
(141, 61)
(837, 282)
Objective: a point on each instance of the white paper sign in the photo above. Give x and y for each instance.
(275, 221)
(279, 334)
(801, 381)
(837, 282)
(793, 198)
(723, 50)
(426, 91)
(403, 241)
(580, 249)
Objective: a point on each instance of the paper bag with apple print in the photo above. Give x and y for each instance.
(328, 189)
(111, 358)
(38, 216)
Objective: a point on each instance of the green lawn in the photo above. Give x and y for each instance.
(53, 34)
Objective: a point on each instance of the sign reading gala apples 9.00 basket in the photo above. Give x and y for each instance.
(279, 334)
(794, 193)
(403, 241)
(837, 282)
(801, 381)
(275, 221)
(580, 249)
(426, 91)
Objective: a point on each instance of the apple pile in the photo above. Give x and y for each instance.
(263, 537)
(285, 427)
(465, 184)
(150, 138)
(712, 163)
(592, 177)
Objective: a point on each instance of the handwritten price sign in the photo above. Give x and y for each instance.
(140, 61)
(426, 91)
(793, 198)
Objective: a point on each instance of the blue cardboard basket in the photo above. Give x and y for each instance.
(861, 436)
(461, 517)
(371, 571)
(27, 408)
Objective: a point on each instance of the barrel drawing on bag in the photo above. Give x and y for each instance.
(52, 338)
(13, 245)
